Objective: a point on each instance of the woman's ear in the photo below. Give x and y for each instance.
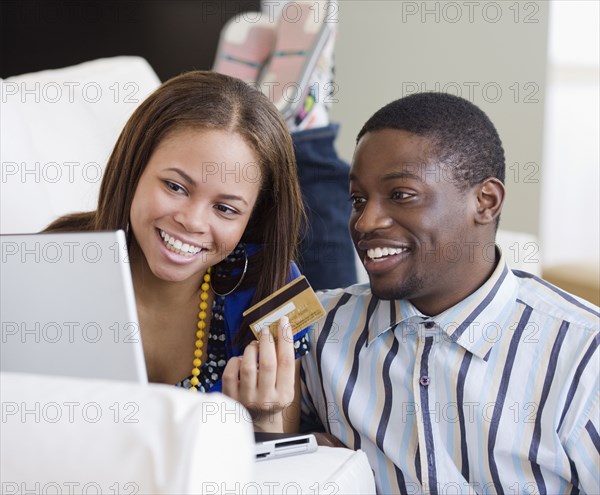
(490, 198)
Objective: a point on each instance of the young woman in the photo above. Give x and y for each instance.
(203, 180)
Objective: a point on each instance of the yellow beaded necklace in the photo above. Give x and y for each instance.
(203, 305)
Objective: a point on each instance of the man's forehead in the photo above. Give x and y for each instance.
(397, 151)
(389, 143)
(422, 171)
(391, 136)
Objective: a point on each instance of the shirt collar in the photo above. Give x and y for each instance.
(388, 314)
(475, 323)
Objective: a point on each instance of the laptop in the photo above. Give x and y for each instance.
(277, 445)
(67, 306)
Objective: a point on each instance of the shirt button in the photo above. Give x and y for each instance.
(424, 380)
(429, 324)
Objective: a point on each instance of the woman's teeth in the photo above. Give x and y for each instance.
(377, 253)
(178, 246)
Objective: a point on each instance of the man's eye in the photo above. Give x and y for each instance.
(399, 195)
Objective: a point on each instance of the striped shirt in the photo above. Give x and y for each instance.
(498, 394)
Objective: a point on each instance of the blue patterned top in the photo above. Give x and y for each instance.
(224, 324)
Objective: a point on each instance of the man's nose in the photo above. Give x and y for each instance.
(372, 217)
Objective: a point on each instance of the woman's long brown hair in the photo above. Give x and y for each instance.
(207, 100)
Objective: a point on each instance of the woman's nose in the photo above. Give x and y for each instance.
(194, 217)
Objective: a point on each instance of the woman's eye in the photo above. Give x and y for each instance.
(226, 209)
(173, 186)
(357, 200)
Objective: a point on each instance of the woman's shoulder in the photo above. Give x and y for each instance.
(74, 222)
(294, 271)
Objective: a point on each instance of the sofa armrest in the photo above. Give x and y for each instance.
(581, 279)
(61, 434)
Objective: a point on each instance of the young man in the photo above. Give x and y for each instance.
(453, 373)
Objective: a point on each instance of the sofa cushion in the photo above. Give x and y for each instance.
(58, 128)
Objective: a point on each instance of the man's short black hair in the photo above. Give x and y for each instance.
(463, 136)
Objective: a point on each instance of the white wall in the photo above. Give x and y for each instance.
(493, 53)
(570, 227)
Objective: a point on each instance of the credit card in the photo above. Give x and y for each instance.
(296, 300)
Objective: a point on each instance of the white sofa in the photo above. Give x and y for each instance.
(72, 436)
(58, 128)
(68, 435)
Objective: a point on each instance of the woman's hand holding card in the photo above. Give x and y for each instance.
(263, 379)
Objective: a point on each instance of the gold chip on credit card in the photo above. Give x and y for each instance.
(296, 300)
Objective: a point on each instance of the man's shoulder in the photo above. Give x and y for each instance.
(548, 299)
(350, 294)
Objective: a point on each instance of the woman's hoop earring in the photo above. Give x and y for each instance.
(239, 281)
(128, 235)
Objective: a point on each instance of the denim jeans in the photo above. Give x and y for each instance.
(326, 250)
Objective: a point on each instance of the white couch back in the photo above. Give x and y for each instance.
(58, 129)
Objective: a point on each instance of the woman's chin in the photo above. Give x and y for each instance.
(171, 275)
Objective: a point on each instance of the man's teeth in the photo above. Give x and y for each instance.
(178, 246)
(385, 251)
